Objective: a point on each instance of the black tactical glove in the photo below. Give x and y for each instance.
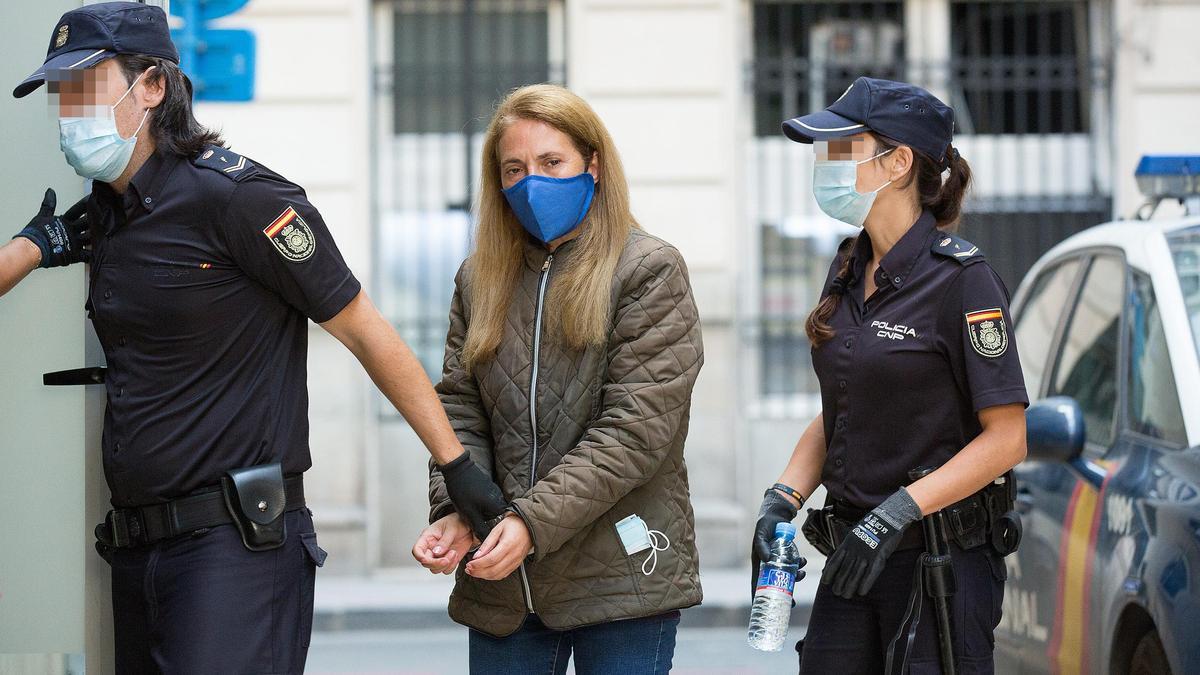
(857, 562)
(775, 509)
(476, 497)
(62, 239)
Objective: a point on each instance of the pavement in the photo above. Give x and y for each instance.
(413, 599)
(396, 622)
(440, 651)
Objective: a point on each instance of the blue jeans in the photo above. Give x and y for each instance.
(630, 647)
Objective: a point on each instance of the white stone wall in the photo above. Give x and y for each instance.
(1156, 87)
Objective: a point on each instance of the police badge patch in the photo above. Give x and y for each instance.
(291, 236)
(988, 335)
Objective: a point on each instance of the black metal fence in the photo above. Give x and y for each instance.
(1029, 82)
(440, 67)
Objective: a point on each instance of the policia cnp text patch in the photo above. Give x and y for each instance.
(988, 335)
(291, 236)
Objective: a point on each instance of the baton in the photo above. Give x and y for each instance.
(939, 576)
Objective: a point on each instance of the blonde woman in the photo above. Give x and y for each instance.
(574, 343)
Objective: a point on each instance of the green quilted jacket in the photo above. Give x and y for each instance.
(578, 440)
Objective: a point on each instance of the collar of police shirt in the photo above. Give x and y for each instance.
(143, 189)
(896, 264)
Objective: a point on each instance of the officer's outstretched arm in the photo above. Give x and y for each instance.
(47, 241)
(397, 372)
(18, 258)
(59, 240)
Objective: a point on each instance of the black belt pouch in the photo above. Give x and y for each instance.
(255, 498)
(818, 530)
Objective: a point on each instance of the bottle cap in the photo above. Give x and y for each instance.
(785, 530)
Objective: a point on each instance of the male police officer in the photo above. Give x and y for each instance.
(206, 267)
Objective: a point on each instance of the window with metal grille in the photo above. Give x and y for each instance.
(806, 53)
(455, 58)
(441, 67)
(1021, 67)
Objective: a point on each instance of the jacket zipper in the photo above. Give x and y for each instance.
(533, 377)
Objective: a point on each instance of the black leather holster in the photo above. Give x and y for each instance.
(256, 500)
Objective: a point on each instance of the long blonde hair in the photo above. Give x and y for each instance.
(494, 267)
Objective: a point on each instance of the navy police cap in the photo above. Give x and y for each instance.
(92, 34)
(898, 111)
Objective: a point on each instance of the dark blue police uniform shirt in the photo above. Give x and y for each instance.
(204, 276)
(909, 368)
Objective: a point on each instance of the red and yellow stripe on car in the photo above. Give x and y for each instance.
(1068, 648)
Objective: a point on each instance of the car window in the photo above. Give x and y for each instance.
(1087, 366)
(1152, 401)
(1039, 318)
(1185, 251)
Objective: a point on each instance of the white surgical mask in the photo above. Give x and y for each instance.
(636, 537)
(94, 147)
(834, 186)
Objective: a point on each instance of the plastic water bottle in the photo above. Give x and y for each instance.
(773, 594)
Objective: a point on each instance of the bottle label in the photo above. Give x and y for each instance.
(775, 579)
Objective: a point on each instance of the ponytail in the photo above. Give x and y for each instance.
(946, 202)
(943, 197)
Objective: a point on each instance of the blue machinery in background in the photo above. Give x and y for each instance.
(219, 61)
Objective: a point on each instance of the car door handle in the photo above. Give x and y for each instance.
(1024, 500)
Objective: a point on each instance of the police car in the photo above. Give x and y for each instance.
(1107, 578)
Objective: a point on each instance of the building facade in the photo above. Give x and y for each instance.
(377, 108)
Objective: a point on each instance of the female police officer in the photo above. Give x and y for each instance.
(913, 349)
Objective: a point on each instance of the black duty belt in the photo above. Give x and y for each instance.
(142, 525)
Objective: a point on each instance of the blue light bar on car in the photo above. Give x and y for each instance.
(1169, 176)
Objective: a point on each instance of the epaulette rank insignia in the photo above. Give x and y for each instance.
(957, 248)
(225, 161)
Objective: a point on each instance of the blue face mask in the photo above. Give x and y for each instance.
(834, 184)
(94, 147)
(549, 208)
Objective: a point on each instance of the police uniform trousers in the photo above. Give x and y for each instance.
(852, 636)
(204, 603)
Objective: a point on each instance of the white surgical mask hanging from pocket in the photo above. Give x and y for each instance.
(636, 537)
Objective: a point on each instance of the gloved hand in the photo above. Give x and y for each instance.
(476, 497)
(62, 239)
(775, 509)
(857, 562)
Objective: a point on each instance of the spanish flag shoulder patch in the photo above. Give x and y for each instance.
(989, 336)
(291, 236)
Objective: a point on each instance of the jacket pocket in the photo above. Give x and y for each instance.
(632, 570)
